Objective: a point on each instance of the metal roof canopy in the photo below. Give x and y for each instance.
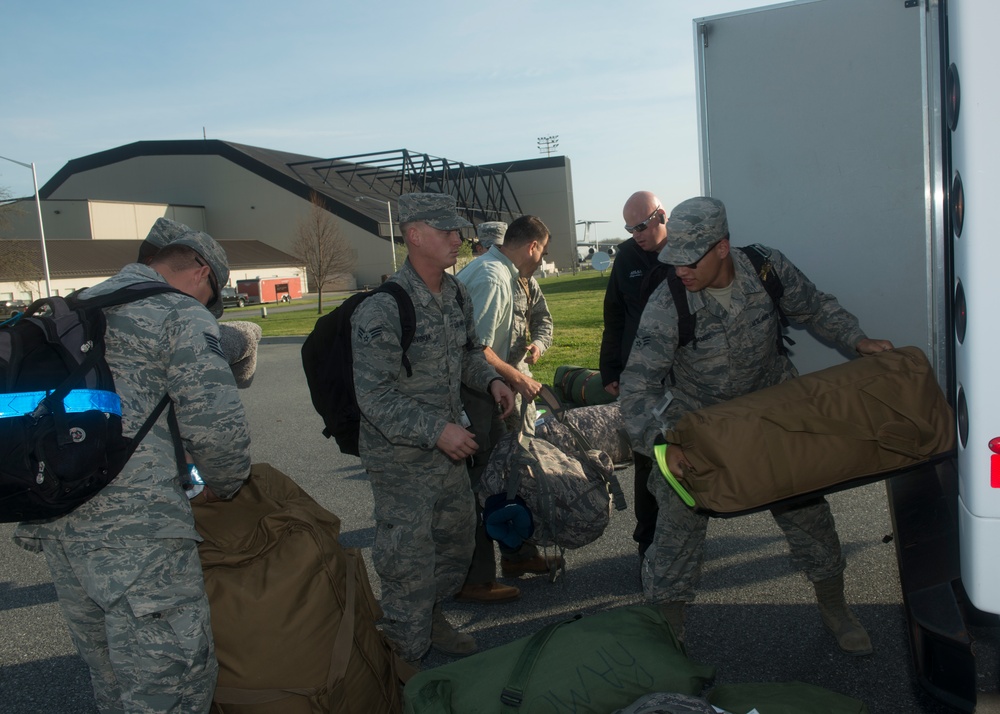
(482, 194)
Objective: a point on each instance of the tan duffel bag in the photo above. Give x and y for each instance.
(871, 416)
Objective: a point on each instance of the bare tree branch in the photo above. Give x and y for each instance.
(321, 246)
(8, 209)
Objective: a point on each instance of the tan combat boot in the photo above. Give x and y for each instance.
(446, 639)
(838, 618)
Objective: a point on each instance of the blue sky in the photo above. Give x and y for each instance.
(471, 82)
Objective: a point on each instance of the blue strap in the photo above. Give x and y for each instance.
(79, 400)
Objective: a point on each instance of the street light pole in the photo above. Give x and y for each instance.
(392, 237)
(41, 227)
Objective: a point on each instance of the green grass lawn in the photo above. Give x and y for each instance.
(575, 301)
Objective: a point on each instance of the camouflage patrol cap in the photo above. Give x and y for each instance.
(491, 233)
(163, 231)
(437, 210)
(695, 225)
(213, 254)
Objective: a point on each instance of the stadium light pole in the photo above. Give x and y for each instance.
(41, 227)
(392, 238)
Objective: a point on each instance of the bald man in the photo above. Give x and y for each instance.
(646, 221)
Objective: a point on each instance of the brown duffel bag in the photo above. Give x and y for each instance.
(871, 416)
(293, 612)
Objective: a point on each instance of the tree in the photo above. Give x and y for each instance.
(322, 248)
(19, 262)
(8, 209)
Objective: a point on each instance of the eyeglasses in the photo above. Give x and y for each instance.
(640, 227)
(211, 279)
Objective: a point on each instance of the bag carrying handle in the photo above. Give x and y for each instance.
(512, 695)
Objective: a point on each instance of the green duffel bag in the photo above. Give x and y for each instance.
(580, 386)
(783, 698)
(589, 665)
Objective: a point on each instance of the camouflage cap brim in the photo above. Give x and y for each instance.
(438, 210)
(695, 225)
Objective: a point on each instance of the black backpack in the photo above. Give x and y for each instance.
(60, 418)
(686, 320)
(328, 363)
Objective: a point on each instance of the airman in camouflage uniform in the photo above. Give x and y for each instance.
(502, 317)
(412, 441)
(532, 343)
(125, 564)
(735, 351)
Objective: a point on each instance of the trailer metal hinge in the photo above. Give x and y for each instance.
(703, 31)
(911, 3)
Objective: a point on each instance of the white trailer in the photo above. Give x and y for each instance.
(860, 138)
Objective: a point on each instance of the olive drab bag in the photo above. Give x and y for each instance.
(819, 432)
(579, 386)
(293, 614)
(591, 664)
(569, 494)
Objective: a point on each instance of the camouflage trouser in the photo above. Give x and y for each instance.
(671, 569)
(424, 530)
(138, 615)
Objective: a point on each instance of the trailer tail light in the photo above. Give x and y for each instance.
(995, 462)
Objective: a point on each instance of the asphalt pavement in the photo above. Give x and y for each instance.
(755, 619)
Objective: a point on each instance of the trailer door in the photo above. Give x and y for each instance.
(815, 129)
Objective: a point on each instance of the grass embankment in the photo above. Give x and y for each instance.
(575, 301)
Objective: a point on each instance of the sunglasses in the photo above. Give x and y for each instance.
(694, 265)
(640, 227)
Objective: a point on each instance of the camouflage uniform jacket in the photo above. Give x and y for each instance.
(529, 301)
(733, 353)
(409, 413)
(164, 344)
(492, 282)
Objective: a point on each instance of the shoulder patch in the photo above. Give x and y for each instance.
(215, 345)
(364, 336)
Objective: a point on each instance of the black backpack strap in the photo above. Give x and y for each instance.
(148, 424)
(407, 318)
(685, 318)
(175, 435)
(460, 299)
(128, 293)
(761, 261)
